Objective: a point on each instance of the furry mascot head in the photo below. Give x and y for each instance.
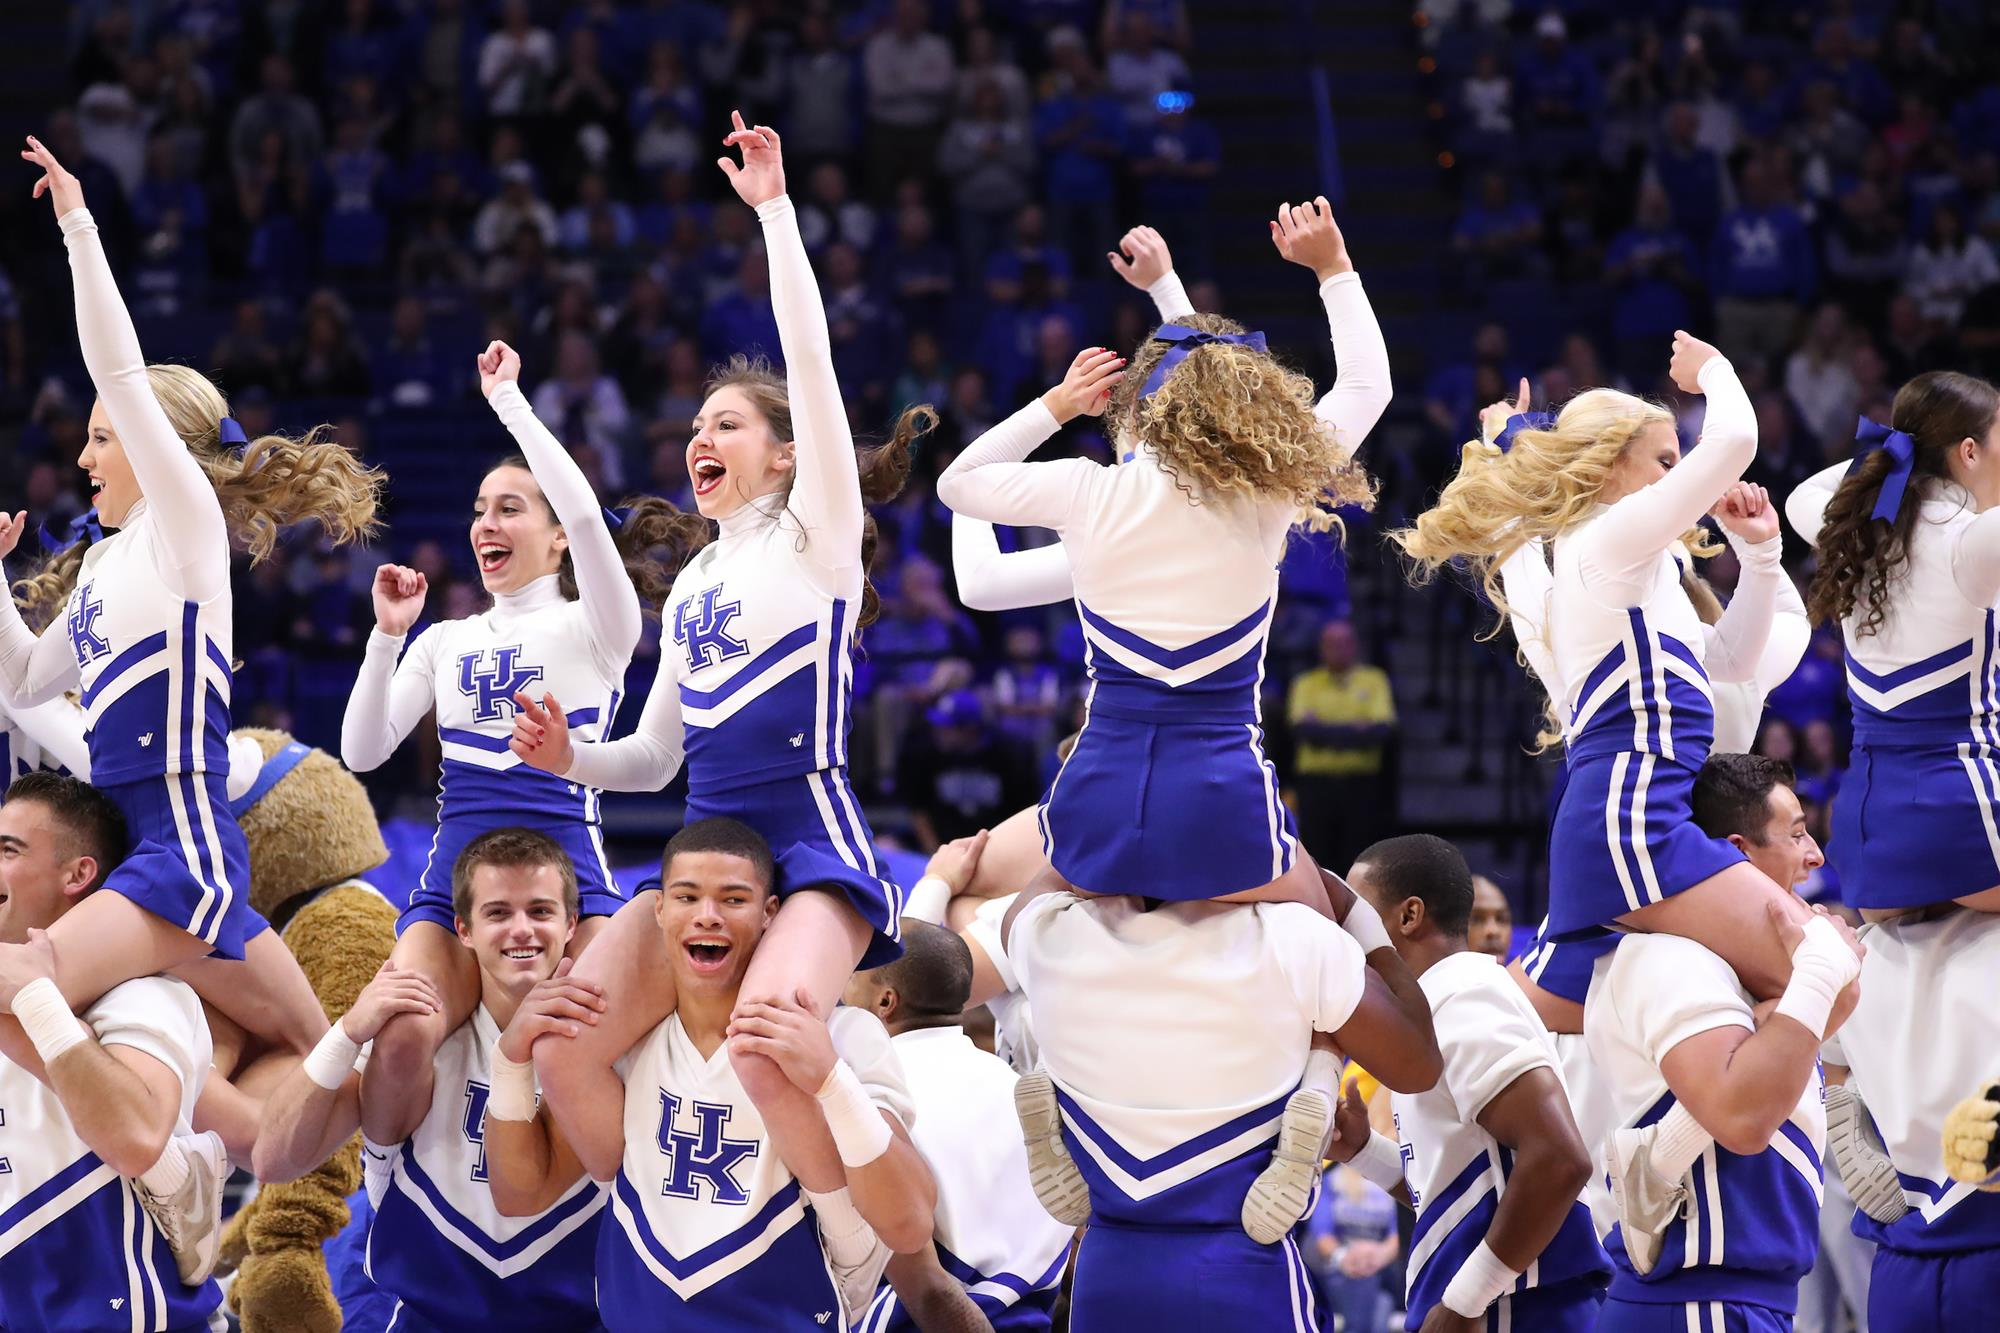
(311, 831)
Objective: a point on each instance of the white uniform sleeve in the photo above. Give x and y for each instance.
(163, 1018)
(826, 480)
(1528, 584)
(1360, 395)
(388, 700)
(989, 481)
(55, 725)
(1735, 643)
(985, 928)
(860, 1039)
(1791, 635)
(194, 539)
(1021, 939)
(1326, 967)
(33, 668)
(1487, 1043)
(610, 603)
(647, 759)
(1806, 506)
(1621, 548)
(1975, 559)
(1170, 297)
(1670, 989)
(990, 579)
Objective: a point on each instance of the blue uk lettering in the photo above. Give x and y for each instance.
(84, 639)
(476, 1095)
(492, 689)
(6, 1167)
(703, 1155)
(701, 625)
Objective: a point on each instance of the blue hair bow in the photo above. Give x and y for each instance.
(1185, 340)
(230, 431)
(1872, 435)
(1521, 421)
(615, 518)
(84, 527)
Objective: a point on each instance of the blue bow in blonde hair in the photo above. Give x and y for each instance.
(1184, 341)
(230, 432)
(84, 527)
(1902, 450)
(1521, 421)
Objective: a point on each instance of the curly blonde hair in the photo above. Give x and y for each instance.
(274, 481)
(1547, 483)
(1230, 419)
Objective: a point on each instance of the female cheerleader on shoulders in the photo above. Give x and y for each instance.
(1908, 539)
(567, 592)
(141, 623)
(756, 675)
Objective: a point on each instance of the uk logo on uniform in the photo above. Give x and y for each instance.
(84, 639)
(701, 625)
(492, 688)
(703, 1155)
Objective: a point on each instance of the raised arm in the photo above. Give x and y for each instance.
(646, 760)
(990, 579)
(390, 696)
(1736, 643)
(1646, 522)
(1805, 507)
(193, 536)
(1143, 260)
(1307, 235)
(1392, 1021)
(826, 481)
(1528, 584)
(988, 480)
(610, 603)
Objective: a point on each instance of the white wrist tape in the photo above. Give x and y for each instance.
(44, 1015)
(859, 1131)
(512, 1096)
(1821, 966)
(1364, 923)
(333, 1059)
(1380, 1161)
(928, 900)
(1479, 1282)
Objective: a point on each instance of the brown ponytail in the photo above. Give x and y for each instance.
(1860, 556)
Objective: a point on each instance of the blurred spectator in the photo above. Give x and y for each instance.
(1820, 377)
(593, 198)
(517, 62)
(327, 361)
(1342, 715)
(1498, 236)
(1908, 343)
(1948, 268)
(412, 370)
(1828, 139)
(583, 405)
(1168, 20)
(741, 320)
(908, 73)
(355, 236)
(989, 161)
(861, 331)
(1080, 132)
(1175, 156)
(1352, 1243)
(1486, 102)
(820, 123)
(959, 775)
(985, 63)
(1140, 67)
(1761, 270)
(245, 355)
(1027, 689)
(1690, 175)
(918, 271)
(276, 109)
(830, 212)
(1491, 927)
(665, 114)
(588, 109)
(1866, 254)
(922, 648)
(1560, 94)
(517, 206)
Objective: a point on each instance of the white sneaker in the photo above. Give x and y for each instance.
(190, 1219)
(1864, 1166)
(1051, 1170)
(1278, 1198)
(1646, 1204)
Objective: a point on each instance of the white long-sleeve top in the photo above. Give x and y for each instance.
(1171, 590)
(147, 631)
(1632, 654)
(533, 640)
(757, 664)
(1926, 676)
(43, 735)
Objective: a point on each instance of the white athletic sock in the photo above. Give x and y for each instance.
(848, 1238)
(167, 1175)
(1322, 1074)
(1678, 1142)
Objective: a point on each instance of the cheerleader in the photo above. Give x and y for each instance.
(46, 735)
(1629, 657)
(1908, 540)
(567, 591)
(1174, 558)
(141, 623)
(756, 674)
